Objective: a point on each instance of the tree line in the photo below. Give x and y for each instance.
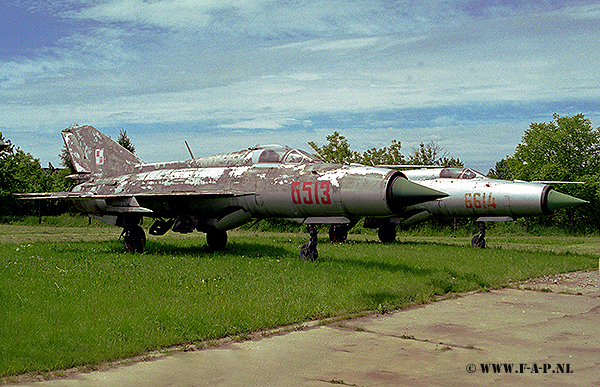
(564, 149)
(337, 150)
(20, 172)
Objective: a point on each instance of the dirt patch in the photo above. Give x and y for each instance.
(578, 282)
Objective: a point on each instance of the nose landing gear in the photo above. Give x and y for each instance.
(478, 240)
(308, 252)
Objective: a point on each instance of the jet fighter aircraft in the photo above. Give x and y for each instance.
(472, 194)
(218, 193)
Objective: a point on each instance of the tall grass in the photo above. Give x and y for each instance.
(69, 304)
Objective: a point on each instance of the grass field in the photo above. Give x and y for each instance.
(70, 297)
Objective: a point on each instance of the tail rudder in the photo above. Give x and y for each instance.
(95, 153)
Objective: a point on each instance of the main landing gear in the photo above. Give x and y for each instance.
(387, 233)
(386, 228)
(216, 240)
(135, 237)
(133, 234)
(338, 233)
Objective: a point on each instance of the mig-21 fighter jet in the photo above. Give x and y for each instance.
(218, 193)
(472, 194)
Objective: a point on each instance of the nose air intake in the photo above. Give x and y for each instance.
(554, 200)
(403, 193)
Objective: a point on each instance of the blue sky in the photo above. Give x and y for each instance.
(228, 74)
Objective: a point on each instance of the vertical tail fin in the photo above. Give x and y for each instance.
(95, 153)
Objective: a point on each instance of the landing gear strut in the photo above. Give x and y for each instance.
(478, 240)
(308, 252)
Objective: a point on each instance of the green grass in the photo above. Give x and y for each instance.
(66, 304)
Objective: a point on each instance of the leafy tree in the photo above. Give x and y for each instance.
(384, 156)
(65, 160)
(336, 151)
(564, 149)
(125, 142)
(432, 154)
(19, 172)
(501, 171)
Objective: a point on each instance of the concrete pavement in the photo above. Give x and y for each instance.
(505, 337)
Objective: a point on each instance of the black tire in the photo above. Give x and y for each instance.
(478, 242)
(135, 239)
(308, 252)
(216, 240)
(387, 233)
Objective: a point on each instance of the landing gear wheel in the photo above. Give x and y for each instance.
(308, 252)
(216, 240)
(478, 240)
(338, 233)
(387, 233)
(135, 239)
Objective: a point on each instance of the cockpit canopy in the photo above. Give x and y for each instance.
(259, 155)
(460, 173)
(276, 154)
(443, 173)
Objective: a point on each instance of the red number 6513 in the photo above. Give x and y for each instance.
(309, 192)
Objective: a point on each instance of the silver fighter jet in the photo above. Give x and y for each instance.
(218, 193)
(472, 194)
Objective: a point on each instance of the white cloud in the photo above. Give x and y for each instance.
(178, 14)
(260, 123)
(345, 44)
(244, 65)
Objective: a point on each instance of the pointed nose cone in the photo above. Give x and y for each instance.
(556, 200)
(404, 193)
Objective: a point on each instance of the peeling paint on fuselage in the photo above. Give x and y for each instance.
(264, 191)
(270, 181)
